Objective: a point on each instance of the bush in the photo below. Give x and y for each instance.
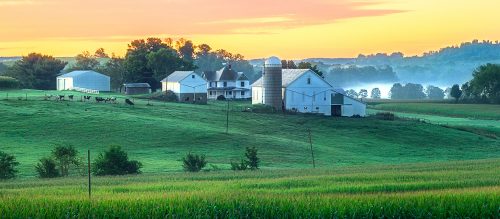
(239, 166)
(8, 83)
(8, 165)
(193, 162)
(66, 157)
(252, 159)
(46, 168)
(168, 96)
(385, 116)
(115, 162)
(221, 97)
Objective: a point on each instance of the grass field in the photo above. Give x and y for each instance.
(464, 189)
(161, 134)
(473, 111)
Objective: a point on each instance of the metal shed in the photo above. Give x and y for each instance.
(137, 88)
(84, 79)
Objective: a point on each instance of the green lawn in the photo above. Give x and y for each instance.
(463, 189)
(473, 111)
(160, 134)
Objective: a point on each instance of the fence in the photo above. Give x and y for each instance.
(85, 90)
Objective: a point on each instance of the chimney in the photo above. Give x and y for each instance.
(229, 66)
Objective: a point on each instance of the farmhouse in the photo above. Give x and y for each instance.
(83, 79)
(187, 86)
(302, 90)
(137, 88)
(228, 83)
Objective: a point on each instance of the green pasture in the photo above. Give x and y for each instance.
(159, 134)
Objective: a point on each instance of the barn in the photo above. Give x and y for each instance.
(302, 90)
(83, 79)
(137, 88)
(187, 86)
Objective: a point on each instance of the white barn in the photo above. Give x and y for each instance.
(84, 79)
(306, 92)
(187, 85)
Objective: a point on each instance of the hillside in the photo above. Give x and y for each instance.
(159, 135)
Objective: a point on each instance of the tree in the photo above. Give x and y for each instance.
(485, 83)
(407, 91)
(363, 93)
(47, 168)
(37, 71)
(193, 162)
(456, 92)
(8, 165)
(115, 161)
(115, 69)
(165, 61)
(252, 159)
(376, 94)
(65, 156)
(85, 61)
(186, 51)
(288, 64)
(100, 53)
(3, 68)
(308, 65)
(396, 91)
(352, 93)
(8, 83)
(434, 93)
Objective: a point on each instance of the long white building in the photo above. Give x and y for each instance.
(306, 92)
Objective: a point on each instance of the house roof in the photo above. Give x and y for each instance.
(177, 76)
(129, 85)
(288, 76)
(225, 74)
(78, 73)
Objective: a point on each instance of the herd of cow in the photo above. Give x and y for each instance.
(87, 98)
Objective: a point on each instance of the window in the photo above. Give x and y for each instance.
(210, 93)
(308, 80)
(230, 93)
(192, 76)
(225, 84)
(216, 84)
(242, 84)
(242, 93)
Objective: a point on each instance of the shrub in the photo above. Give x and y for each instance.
(193, 162)
(65, 156)
(8, 165)
(115, 162)
(8, 83)
(221, 97)
(239, 166)
(252, 159)
(46, 168)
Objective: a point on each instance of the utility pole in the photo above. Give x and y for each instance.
(312, 151)
(88, 161)
(227, 117)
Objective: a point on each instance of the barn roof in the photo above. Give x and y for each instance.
(288, 76)
(177, 76)
(145, 85)
(78, 73)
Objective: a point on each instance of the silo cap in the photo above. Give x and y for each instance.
(273, 61)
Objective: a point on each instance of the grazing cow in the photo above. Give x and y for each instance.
(61, 97)
(70, 97)
(110, 99)
(99, 99)
(86, 97)
(129, 102)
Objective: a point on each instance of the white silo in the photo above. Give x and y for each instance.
(272, 83)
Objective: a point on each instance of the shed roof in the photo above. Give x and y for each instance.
(225, 74)
(129, 85)
(80, 72)
(177, 76)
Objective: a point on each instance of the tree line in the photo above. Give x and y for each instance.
(146, 60)
(64, 161)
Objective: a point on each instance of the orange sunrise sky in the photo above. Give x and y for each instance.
(257, 28)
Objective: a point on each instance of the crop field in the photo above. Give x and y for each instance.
(463, 189)
(160, 134)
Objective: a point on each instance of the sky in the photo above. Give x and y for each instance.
(291, 29)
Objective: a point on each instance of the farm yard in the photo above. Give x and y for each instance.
(366, 167)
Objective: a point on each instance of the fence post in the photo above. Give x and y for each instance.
(90, 187)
